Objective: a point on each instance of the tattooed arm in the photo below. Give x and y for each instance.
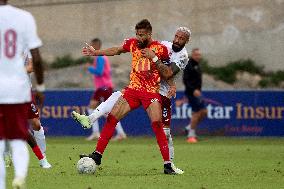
(173, 89)
(166, 71)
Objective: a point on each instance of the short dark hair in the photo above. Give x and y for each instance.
(97, 40)
(144, 24)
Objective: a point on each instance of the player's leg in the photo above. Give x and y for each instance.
(199, 112)
(2, 165)
(15, 130)
(166, 120)
(154, 112)
(95, 125)
(37, 151)
(108, 95)
(34, 121)
(120, 132)
(197, 117)
(37, 139)
(103, 109)
(121, 108)
(7, 154)
(20, 156)
(38, 134)
(2, 149)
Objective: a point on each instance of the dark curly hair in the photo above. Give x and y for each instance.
(144, 24)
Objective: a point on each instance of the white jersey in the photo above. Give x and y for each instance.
(17, 33)
(179, 58)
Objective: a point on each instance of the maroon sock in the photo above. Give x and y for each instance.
(106, 133)
(37, 152)
(162, 141)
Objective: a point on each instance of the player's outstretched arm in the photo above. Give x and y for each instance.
(90, 51)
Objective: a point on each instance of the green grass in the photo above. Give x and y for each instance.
(214, 163)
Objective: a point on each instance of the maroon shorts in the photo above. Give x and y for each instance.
(166, 110)
(14, 121)
(136, 98)
(102, 94)
(33, 111)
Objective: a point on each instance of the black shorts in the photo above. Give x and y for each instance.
(196, 103)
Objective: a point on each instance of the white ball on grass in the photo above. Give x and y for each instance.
(86, 165)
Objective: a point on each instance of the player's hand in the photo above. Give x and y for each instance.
(197, 93)
(172, 92)
(148, 53)
(88, 50)
(39, 98)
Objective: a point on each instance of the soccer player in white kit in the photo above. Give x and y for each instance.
(178, 60)
(37, 139)
(17, 33)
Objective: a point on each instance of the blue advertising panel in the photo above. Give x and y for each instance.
(230, 113)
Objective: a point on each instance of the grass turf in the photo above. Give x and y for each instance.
(213, 163)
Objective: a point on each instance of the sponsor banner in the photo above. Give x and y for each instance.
(230, 113)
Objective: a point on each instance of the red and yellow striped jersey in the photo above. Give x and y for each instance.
(144, 75)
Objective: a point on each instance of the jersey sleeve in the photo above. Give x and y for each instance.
(31, 36)
(181, 61)
(127, 43)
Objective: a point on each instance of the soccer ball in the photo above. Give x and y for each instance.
(86, 165)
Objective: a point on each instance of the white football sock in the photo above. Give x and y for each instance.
(170, 143)
(2, 166)
(105, 107)
(94, 123)
(20, 156)
(40, 139)
(191, 133)
(119, 129)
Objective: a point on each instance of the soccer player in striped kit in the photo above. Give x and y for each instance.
(166, 72)
(178, 60)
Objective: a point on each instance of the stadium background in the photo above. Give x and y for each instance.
(225, 31)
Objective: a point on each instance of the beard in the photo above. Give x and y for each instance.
(142, 44)
(177, 48)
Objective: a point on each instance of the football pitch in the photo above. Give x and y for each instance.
(213, 163)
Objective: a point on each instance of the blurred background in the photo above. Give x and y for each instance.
(242, 41)
(242, 45)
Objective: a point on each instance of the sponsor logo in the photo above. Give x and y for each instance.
(154, 100)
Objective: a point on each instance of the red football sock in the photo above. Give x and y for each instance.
(162, 141)
(106, 133)
(37, 152)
